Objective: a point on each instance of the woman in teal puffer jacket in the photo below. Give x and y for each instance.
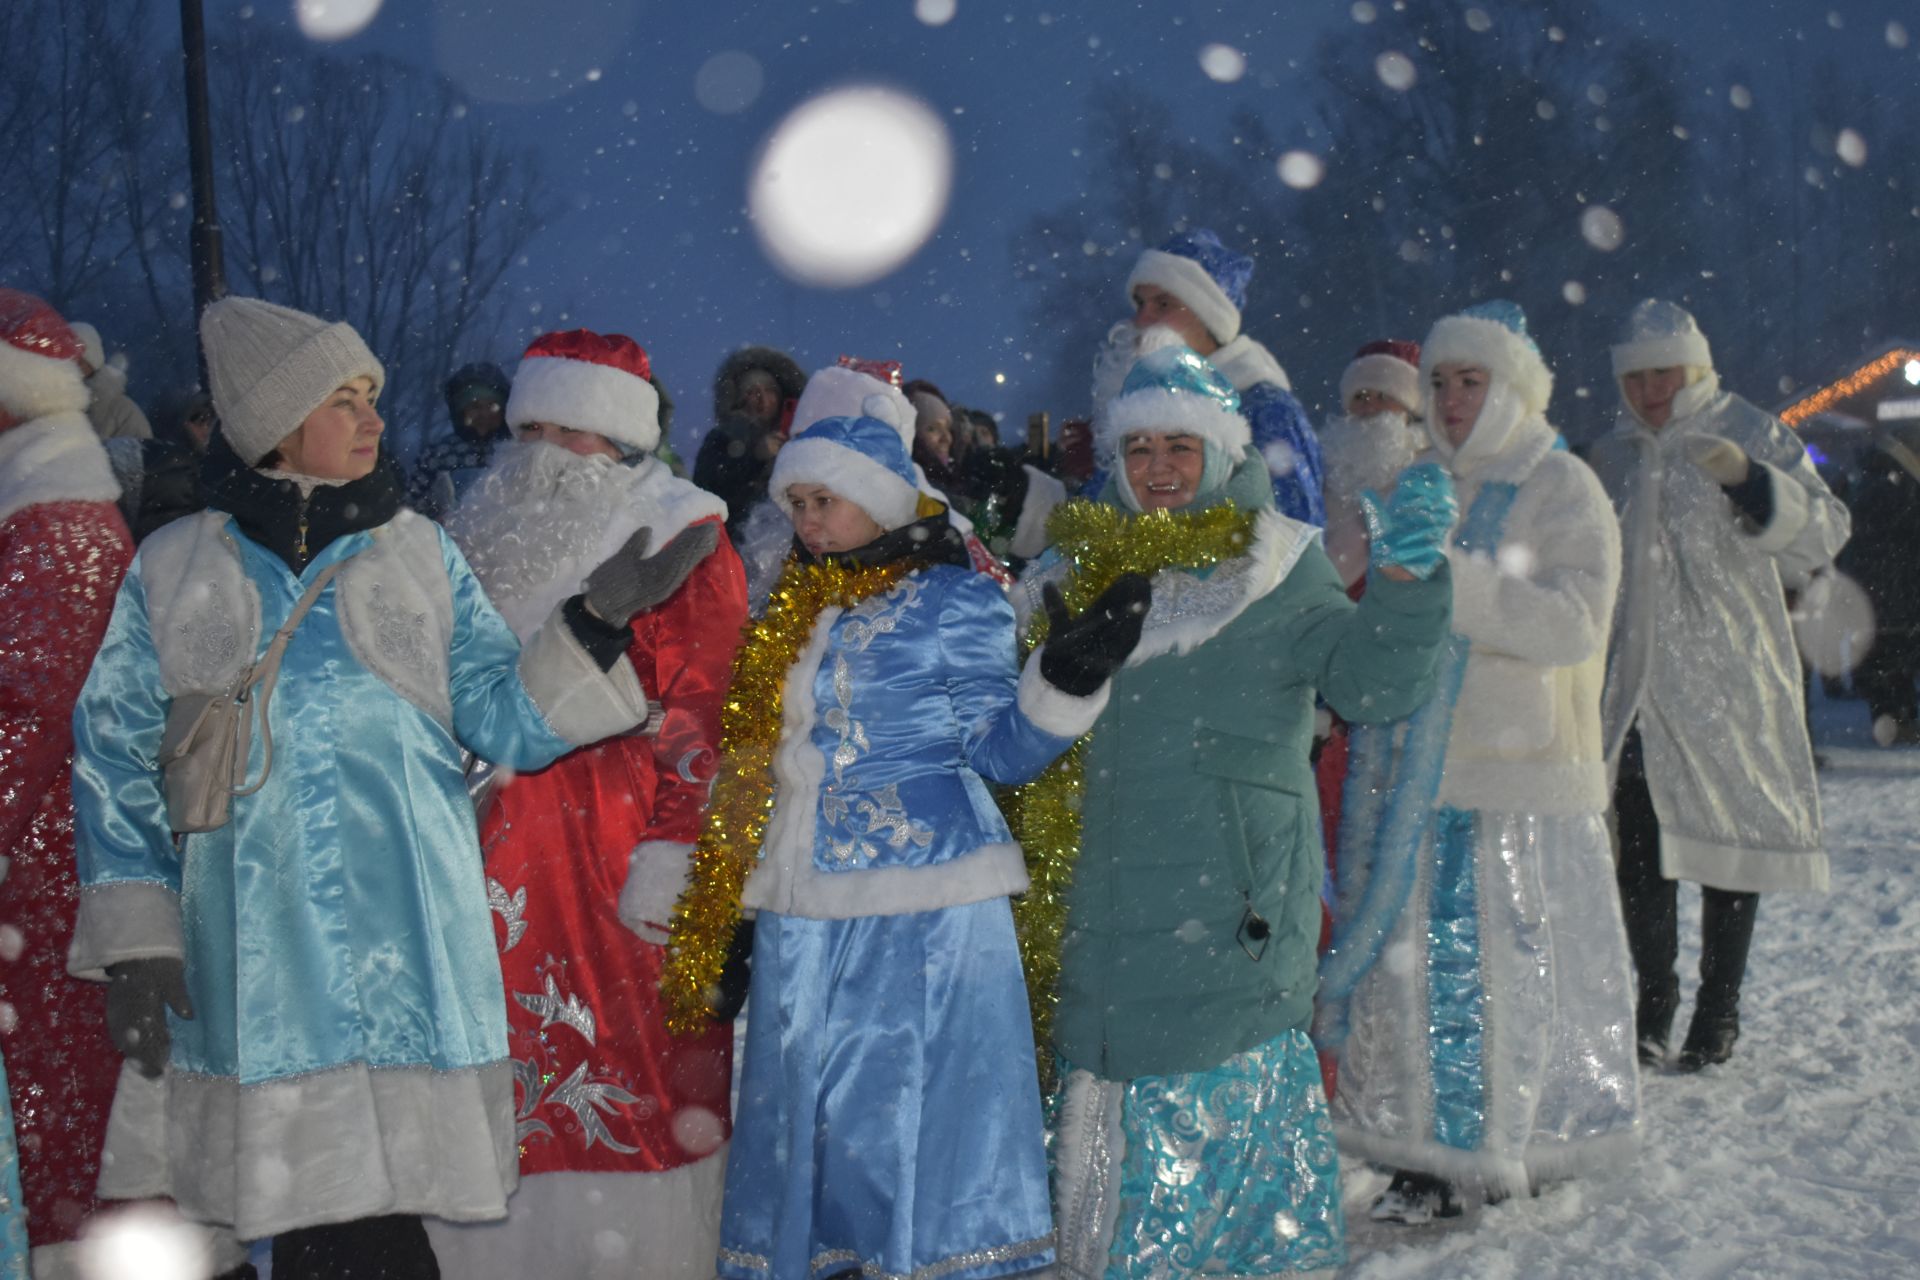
(1191, 1129)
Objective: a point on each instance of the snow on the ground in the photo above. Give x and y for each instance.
(1801, 1156)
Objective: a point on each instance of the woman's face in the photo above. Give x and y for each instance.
(587, 444)
(824, 521)
(338, 441)
(1459, 391)
(1651, 392)
(1163, 470)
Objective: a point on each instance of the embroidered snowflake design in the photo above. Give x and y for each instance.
(211, 636)
(877, 615)
(883, 815)
(509, 909)
(550, 1008)
(586, 1099)
(853, 734)
(399, 633)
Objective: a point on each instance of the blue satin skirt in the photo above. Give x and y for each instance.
(889, 1115)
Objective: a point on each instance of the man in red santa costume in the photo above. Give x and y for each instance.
(63, 549)
(622, 1127)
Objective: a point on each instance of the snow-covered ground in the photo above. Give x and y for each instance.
(1801, 1156)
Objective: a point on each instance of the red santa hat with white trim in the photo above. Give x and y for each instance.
(591, 382)
(1390, 367)
(38, 375)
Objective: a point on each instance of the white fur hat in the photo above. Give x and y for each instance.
(38, 375)
(1389, 367)
(1660, 335)
(840, 392)
(1492, 335)
(590, 382)
(860, 458)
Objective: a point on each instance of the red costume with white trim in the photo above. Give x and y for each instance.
(63, 551)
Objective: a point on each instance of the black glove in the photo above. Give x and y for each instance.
(632, 581)
(736, 974)
(139, 993)
(1082, 653)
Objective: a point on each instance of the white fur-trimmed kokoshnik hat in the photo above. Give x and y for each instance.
(1492, 335)
(860, 459)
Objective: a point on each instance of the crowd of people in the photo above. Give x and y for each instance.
(1101, 840)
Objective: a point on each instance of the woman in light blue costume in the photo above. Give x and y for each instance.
(1478, 987)
(889, 1116)
(310, 992)
(1192, 1136)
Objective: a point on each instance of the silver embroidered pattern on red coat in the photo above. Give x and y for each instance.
(60, 565)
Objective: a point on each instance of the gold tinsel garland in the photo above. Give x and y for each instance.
(1100, 543)
(705, 916)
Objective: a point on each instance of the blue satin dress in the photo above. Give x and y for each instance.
(889, 1117)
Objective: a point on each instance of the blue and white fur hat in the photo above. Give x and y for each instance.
(1494, 336)
(861, 459)
(1208, 277)
(1172, 391)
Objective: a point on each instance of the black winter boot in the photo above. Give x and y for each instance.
(1415, 1199)
(1726, 932)
(1653, 1017)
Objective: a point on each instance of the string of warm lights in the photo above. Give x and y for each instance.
(1854, 383)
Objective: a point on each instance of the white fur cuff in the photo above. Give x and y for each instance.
(1061, 714)
(125, 920)
(657, 873)
(581, 703)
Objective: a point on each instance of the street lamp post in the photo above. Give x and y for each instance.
(209, 266)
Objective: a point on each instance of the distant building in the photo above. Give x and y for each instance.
(1838, 418)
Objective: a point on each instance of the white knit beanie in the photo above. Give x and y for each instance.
(271, 366)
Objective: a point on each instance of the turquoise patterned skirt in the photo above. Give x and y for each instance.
(13, 1209)
(1230, 1172)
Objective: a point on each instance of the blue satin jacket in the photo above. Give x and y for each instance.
(341, 915)
(896, 720)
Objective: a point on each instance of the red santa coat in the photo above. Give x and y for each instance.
(602, 1086)
(63, 551)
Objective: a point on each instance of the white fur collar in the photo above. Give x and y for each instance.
(1521, 447)
(53, 459)
(1189, 610)
(1244, 363)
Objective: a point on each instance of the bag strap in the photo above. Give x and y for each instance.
(266, 672)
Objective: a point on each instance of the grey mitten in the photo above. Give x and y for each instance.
(631, 581)
(139, 993)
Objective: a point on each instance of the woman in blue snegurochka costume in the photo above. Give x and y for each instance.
(308, 996)
(1192, 1135)
(1478, 984)
(889, 1118)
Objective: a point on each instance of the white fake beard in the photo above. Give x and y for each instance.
(1367, 452)
(538, 522)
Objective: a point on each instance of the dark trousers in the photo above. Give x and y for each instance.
(394, 1247)
(1650, 903)
(1885, 678)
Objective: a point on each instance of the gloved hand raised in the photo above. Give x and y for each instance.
(1409, 531)
(1725, 462)
(1082, 653)
(139, 993)
(631, 581)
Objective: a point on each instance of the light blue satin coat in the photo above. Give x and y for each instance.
(910, 726)
(341, 916)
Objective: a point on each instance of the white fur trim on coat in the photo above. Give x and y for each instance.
(124, 920)
(1064, 715)
(1462, 339)
(33, 386)
(1044, 493)
(587, 397)
(1388, 375)
(55, 458)
(365, 1141)
(1245, 363)
(581, 703)
(1677, 351)
(1188, 281)
(891, 501)
(656, 877)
